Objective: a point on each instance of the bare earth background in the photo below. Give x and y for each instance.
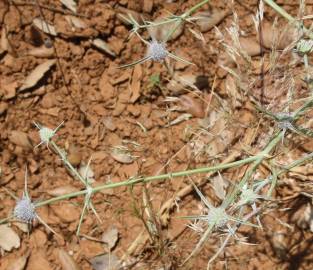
(124, 120)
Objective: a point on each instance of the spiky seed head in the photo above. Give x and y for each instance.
(217, 216)
(305, 46)
(25, 210)
(46, 134)
(248, 196)
(157, 51)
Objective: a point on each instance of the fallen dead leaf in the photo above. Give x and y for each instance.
(276, 37)
(162, 31)
(110, 237)
(9, 239)
(250, 46)
(135, 84)
(4, 42)
(102, 45)
(43, 52)
(19, 263)
(105, 262)
(121, 156)
(61, 190)
(87, 173)
(24, 227)
(21, 139)
(67, 261)
(33, 78)
(45, 27)
(66, 212)
(124, 13)
(192, 105)
(207, 20)
(76, 22)
(70, 4)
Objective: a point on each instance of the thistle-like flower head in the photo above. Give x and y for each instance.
(25, 210)
(157, 50)
(46, 134)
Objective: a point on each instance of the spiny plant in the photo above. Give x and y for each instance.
(247, 193)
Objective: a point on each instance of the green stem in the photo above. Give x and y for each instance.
(130, 182)
(67, 163)
(264, 154)
(184, 16)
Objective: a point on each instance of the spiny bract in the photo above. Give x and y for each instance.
(25, 210)
(157, 51)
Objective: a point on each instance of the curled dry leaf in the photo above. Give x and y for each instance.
(70, 4)
(9, 239)
(250, 46)
(110, 237)
(61, 190)
(162, 31)
(102, 45)
(135, 84)
(192, 105)
(280, 38)
(42, 51)
(76, 22)
(21, 139)
(105, 262)
(67, 261)
(124, 13)
(19, 263)
(207, 20)
(180, 82)
(22, 226)
(34, 77)
(4, 42)
(279, 244)
(87, 173)
(121, 156)
(45, 27)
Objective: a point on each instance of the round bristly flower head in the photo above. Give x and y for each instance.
(157, 50)
(46, 134)
(25, 210)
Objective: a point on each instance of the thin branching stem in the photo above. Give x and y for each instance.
(131, 181)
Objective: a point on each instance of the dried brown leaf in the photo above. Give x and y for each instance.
(76, 22)
(45, 27)
(110, 237)
(70, 4)
(21, 139)
(9, 239)
(33, 78)
(19, 263)
(121, 157)
(43, 52)
(192, 105)
(4, 43)
(207, 20)
(105, 262)
(250, 46)
(61, 190)
(67, 261)
(135, 84)
(102, 45)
